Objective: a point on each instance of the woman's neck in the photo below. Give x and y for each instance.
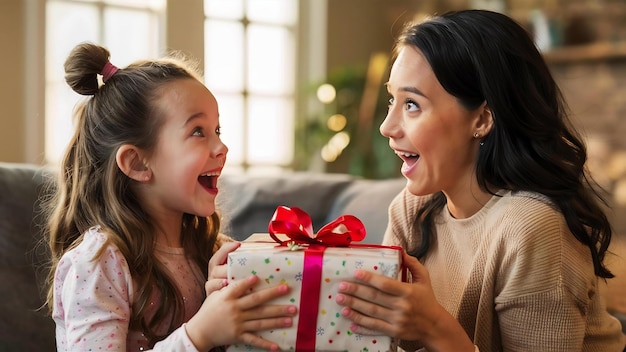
(465, 203)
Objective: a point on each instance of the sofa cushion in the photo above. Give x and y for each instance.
(368, 200)
(24, 326)
(247, 202)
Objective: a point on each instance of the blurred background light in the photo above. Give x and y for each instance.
(326, 93)
(337, 122)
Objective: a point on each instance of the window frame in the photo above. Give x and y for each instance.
(310, 58)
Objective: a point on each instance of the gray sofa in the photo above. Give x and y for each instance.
(247, 203)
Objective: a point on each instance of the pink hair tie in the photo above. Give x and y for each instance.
(108, 70)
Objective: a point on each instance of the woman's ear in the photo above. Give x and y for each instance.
(484, 123)
(129, 159)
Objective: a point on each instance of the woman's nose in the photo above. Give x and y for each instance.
(389, 127)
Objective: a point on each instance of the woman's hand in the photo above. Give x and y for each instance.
(408, 311)
(233, 314)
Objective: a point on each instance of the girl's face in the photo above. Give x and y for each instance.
(189, 155)
(429, 130)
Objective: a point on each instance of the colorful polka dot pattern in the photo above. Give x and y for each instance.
(92, 301)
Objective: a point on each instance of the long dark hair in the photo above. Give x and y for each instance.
(92, 190)
(480, 56)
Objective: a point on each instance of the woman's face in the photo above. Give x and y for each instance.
(429, 130)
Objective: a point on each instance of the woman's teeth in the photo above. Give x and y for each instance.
(407, 155)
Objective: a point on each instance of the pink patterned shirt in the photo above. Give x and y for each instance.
(93, 298)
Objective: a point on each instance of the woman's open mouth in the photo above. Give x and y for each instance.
(408, 158)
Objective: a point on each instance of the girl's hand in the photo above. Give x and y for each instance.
(217, 263)
(232, 314)
(408, 311)
(218, 268)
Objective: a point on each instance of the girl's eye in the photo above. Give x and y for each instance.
(197, 132)
(218, 130)
(390, 101)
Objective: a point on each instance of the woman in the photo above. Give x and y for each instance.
(498, 208)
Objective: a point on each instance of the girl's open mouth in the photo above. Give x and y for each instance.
(208, 181)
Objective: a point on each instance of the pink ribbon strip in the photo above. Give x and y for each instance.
(310, 297)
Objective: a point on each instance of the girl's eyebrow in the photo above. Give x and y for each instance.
(409, 90)
(193, 117)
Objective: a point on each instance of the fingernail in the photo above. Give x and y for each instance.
(353, 327)
(282, 288)
(340, 299)
(359, 274)
(288, 321)
(345, 311)
(343, 286)
(292, 310)
(224, 283)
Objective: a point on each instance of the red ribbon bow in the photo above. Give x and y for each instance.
(297, 225)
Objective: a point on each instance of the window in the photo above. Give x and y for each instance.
(249, 62)
(130, 29)
(250, 51)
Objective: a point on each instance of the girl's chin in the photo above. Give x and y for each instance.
(204, 211)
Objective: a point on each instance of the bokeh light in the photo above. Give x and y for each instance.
(326, 93)
(335, 146)
(337, 122)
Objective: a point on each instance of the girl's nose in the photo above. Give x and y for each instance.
(220, 149)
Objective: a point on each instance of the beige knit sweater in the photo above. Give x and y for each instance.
(513, 275)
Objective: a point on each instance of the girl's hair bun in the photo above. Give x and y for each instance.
(83, 65)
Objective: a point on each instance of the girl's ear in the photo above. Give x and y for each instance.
(129, 159)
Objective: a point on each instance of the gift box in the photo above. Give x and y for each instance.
(313, 265)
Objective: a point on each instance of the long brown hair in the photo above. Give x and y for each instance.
(92, 190)
(482, 56)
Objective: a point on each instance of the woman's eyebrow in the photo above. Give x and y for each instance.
(413, 90)
(408, 89)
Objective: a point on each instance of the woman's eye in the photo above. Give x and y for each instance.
(390, 101)
(218, 130)
(411, 105)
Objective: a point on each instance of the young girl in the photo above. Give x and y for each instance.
(133, 228)
(498, 207)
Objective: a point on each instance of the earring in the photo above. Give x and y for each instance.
(476, 134)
